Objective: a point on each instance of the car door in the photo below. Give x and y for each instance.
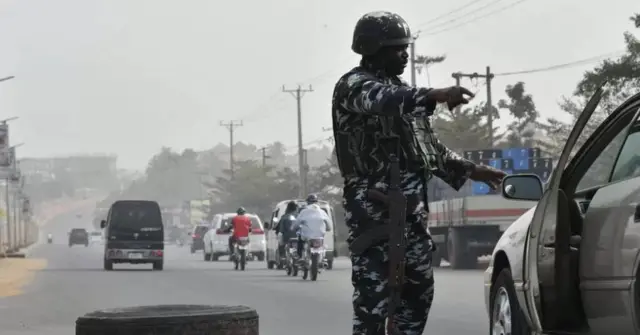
(611, 234)
(545, 216)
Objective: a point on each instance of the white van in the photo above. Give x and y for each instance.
(272, 237)
(216, 240)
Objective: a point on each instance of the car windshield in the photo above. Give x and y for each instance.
(96, 233)
(135, 215)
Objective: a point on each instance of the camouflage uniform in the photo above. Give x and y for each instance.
(367, 107)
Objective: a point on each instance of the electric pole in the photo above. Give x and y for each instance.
(298, 93)
(231, 126)
(264, 157)
(412, 57)
(488, 76)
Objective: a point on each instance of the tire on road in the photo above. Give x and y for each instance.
(170, 319)
(108, 265)
(503, 287)
(158, 265)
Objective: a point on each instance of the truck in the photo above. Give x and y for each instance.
(467, 224)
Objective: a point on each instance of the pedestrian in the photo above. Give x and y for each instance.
(376, 116)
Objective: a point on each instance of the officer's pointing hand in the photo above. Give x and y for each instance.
(454, 96)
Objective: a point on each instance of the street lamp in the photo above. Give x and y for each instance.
(6, 78)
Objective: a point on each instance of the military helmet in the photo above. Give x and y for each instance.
(241, 211)
(379, 29)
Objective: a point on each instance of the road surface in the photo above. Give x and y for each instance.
(73, 283)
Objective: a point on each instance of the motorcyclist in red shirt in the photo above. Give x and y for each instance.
(241, 226)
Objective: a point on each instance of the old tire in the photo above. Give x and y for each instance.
(459, 255)
(503, 292)
(170, 319)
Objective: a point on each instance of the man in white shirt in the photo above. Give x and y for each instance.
(313, 223)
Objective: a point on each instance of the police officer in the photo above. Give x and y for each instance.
(376, 114)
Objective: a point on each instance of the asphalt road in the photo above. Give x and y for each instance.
(73, 283)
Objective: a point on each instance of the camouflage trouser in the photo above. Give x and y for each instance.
(370, 296)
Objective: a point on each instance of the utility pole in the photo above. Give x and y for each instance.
(488, 76)
(412, 57)
(298, 93)
(305, 167)
(231, 126)
(264, 157)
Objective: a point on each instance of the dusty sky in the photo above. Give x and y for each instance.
(128, 76)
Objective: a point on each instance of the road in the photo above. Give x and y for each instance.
(74, 283)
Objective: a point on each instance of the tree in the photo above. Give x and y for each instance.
(464, 128)
(522, 130)
(622, 75)
(424, 62)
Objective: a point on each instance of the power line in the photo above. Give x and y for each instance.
(453, 11)
(463, 16)
(499, 10)
(563, 65)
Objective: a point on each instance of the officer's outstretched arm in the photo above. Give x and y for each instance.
(362, 93)
(456, 170)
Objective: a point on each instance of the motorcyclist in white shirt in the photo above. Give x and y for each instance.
(313, 223)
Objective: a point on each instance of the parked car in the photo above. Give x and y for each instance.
(216, 240)
(197, 237)
(571, 264)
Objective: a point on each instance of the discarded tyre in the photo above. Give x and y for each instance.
(170, 320)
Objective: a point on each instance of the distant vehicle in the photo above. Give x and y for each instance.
(95, 237)
(197, 237)
(78, 236)
(216, 240)
(134, 234)
(274, 260)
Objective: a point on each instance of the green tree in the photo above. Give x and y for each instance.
(622, 75)
(521, 131)
(464, 128)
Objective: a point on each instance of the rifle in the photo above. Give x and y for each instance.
(397, 204)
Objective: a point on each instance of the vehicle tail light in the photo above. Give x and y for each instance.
(220, 232)
(196, 236)
(157, 253)
(257, 231)
(316, 243)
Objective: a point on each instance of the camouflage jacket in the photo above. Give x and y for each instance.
(369, 109)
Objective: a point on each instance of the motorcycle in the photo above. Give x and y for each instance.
(291, 257)
(49, 238)
(240, 254)
(313, 258)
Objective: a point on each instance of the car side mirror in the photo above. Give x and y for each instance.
(522, 187)
(103, 224)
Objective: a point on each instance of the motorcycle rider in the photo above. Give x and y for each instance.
(312, 222)
(241, 226)
(285, 227)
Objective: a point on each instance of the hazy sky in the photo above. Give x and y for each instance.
(128, 76)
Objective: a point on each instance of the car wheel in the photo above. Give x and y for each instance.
(261, 257)
(158, 265)
(271, 265)
(108, 265)
(207, 257)
(506, 316)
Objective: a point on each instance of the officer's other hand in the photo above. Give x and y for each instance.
(488, 175)
(454, 96)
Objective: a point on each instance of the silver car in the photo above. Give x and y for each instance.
(570, 264)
